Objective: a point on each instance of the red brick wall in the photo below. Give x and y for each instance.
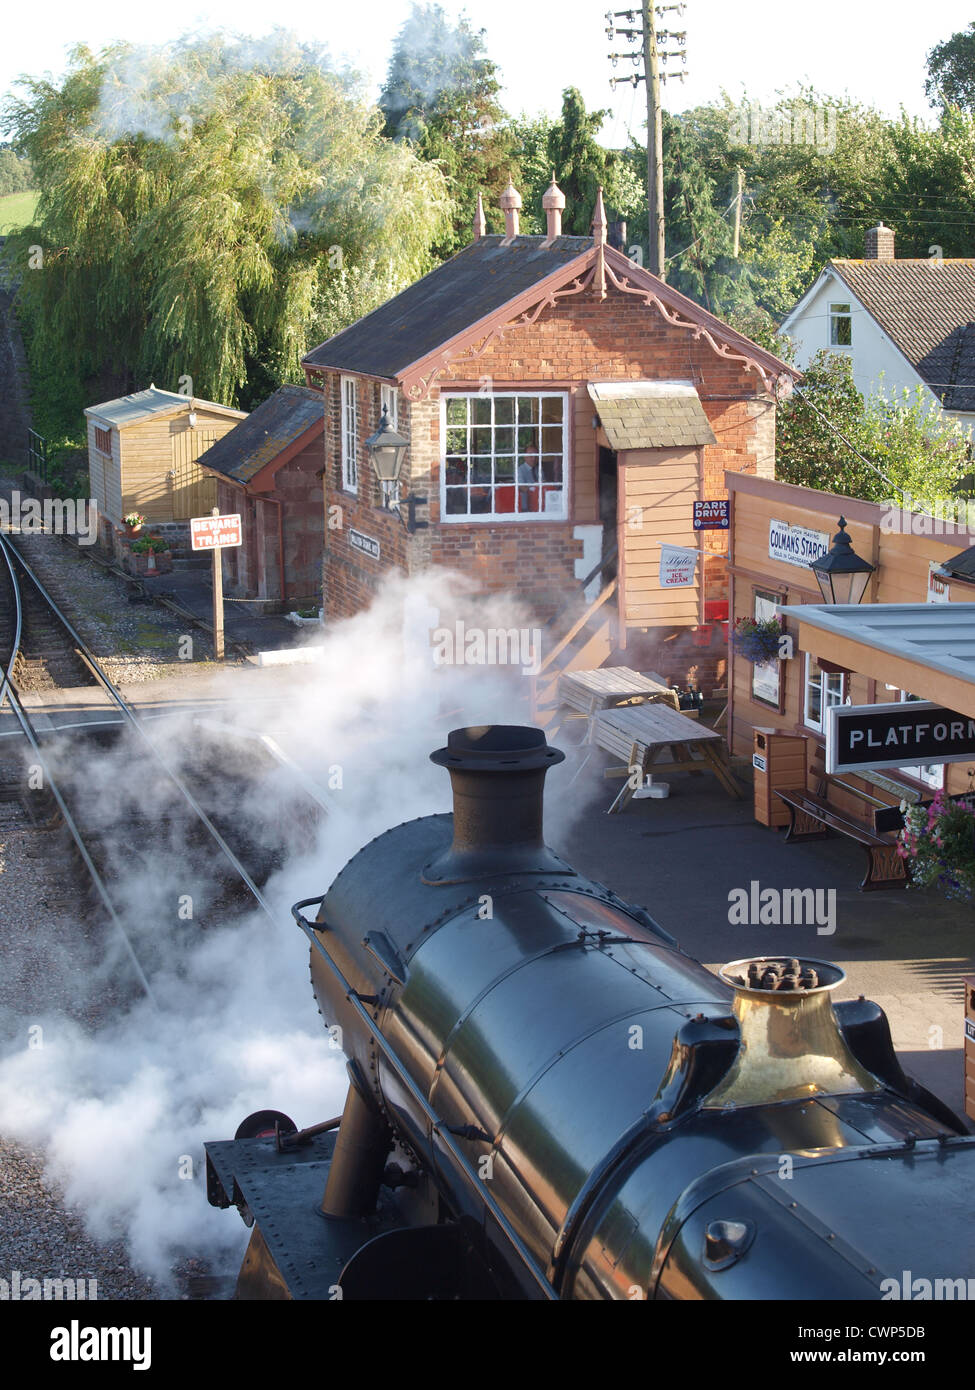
(576, 341)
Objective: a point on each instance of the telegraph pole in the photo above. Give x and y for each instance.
(654, 76)
(741, 189)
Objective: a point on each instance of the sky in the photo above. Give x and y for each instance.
(742, 47)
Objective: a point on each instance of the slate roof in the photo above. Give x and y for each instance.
(470, 286)
(927, 309)
(651, 414)
(962, 565)
(266, 433)
(141, 405)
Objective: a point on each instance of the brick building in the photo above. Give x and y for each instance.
(563, 408)
(269, 469)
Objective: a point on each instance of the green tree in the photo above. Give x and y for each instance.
(441, 97)
(951, 71)
(829, 437)
(16, 175)
(194, 203)
(582, 166)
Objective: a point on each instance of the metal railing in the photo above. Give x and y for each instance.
(37, 460)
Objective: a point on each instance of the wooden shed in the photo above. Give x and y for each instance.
(142, 452)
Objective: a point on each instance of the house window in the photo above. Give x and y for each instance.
(931, 774)
(350, 435)
(823, 689)
(103, 441)
(840, 326)
(389, 399)
(505, 457)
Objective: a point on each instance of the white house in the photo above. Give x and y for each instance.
(905, 323)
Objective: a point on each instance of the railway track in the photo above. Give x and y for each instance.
(158, 826)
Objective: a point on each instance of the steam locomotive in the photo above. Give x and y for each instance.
(548, 1099)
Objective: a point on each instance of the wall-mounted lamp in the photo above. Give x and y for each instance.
(387, 449)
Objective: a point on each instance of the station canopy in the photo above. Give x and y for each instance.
(925, 648)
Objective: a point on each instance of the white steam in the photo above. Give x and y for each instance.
(122, 1112)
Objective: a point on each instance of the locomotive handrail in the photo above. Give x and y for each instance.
(438, 1124)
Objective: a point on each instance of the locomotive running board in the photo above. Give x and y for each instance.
(289, 1255)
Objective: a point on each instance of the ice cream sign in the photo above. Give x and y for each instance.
(677, 566)
(795, 545)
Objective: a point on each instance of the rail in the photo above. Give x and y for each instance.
(14, 560)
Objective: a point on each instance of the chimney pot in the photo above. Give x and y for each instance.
(553, 202)
(510, 203)
(879, 243)
(480, 224)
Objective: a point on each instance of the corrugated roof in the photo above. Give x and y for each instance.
(468, 287)
(266, 433)
(940, 636)
(651, 414)
(126, 410)
(927, 309)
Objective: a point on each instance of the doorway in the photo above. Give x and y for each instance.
(608, 502)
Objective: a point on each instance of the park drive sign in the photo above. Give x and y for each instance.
(896, 735)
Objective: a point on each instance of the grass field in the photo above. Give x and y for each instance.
(16, 209)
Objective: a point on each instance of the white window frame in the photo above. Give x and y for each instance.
(928, 774)
(839, 313)
(492, 517)
(350, 433)
(813, 676)
(389, 397)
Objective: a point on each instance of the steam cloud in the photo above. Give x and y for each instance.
(235, 1027)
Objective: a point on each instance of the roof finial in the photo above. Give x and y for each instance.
(599, 222)
(599, 229)
(510, 202)
(480, 224)
(553, 201)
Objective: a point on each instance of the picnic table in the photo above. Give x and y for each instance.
(589, 691)
(640, 733)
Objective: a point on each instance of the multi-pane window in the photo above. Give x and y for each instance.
(103, 441)
(350, 435)
(389, 400)
(823, 690)
(505, 456)
(840, 326)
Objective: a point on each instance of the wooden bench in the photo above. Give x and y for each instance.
(811, 817)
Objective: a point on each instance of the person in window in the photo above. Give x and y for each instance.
(528, 480)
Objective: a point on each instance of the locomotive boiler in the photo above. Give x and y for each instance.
(548, 1099)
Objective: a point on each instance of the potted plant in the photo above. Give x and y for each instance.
(758, 640)
(151, 555)
(134, 523)
(937, 843)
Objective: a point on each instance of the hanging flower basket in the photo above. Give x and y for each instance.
(757, 640)
(937, 844)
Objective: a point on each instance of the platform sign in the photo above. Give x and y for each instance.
(896, 735)
(712, 516)
(210, 532)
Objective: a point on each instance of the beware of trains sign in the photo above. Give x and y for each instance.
(896, 735)
(213, 532)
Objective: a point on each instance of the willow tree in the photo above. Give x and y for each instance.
(197, 204)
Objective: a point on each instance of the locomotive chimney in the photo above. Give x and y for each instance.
(497, 774)
(791, 1044)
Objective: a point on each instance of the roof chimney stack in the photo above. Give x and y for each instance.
(480, 225)
(553, 201)
(510, 205)
(879, 243)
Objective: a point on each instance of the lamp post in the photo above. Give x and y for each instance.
(842, 574)
(386, 449)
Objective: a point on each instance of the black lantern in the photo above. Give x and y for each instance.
(842, 575)
(386, 449)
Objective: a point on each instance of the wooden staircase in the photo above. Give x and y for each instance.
(588, 643)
